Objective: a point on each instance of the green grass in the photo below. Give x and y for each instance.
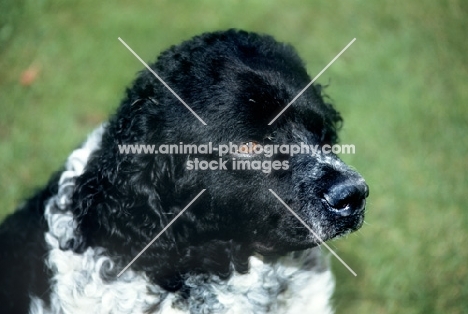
(401, 88)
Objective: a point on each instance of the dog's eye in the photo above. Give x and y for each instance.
(243, 148)
(247, 149)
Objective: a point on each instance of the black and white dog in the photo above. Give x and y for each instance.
(237, 248)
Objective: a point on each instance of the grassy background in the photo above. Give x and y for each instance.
(401, 88)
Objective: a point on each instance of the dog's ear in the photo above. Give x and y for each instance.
(116, 201)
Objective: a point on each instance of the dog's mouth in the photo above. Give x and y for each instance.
(305, 239)
(336, 213)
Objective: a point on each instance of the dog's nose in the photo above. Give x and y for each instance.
(347, 197)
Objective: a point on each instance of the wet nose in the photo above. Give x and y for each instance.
(347, 197)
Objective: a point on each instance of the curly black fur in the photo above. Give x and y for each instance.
(121, 200)
(237, 82)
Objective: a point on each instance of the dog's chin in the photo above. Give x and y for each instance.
(330, 231)
(344, 226)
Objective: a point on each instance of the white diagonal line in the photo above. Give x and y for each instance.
(312, 231)
(161, 80)
(160, 233)
(308, 85)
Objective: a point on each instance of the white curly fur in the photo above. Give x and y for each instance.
(298, 283)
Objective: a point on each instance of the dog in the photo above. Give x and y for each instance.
(229, 244)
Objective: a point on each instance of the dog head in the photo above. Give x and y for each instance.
(237, 82)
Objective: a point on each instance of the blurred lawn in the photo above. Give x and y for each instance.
(402, 88)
